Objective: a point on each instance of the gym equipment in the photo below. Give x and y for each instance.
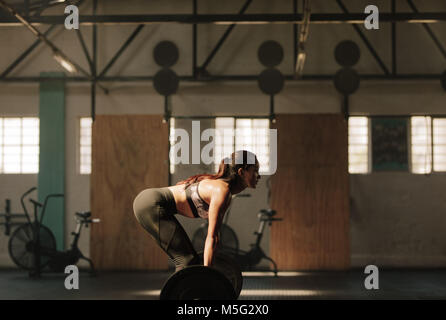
(21, 246)
(271, 81)
(22, 243)
(166, 82)
(165, 54)
(249, 259)
(346, 81)
(347, 53)
(227, 236)
(270, 53)
(198, 283)
(222, 281)
(9, 216)
(229, 267)
(32, 246)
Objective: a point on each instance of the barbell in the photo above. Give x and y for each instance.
(222, 281)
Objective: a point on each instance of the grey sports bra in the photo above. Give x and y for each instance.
(198, 206)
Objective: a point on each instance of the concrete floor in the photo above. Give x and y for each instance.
(393, 284)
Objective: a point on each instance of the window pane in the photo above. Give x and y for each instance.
(12, 131)
(358, 121)
(30, 131)
(439, 144)
(11, 159)
(85, 145)
(249, 134)
(253, 135)
(19, 145)
(358, 145)
(224, 122)
(224, 139)
(421, 144)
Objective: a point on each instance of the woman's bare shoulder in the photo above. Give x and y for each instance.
(217, 188)
(216, 183)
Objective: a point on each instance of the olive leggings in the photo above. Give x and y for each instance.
(154, 209)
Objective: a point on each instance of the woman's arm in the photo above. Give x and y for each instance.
(217, 208)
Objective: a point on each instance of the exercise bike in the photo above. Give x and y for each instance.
(9, 218)
(227, 234)
(249, 259)
(32, 246)
(246, 259)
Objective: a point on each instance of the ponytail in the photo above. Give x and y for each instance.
(227, 170)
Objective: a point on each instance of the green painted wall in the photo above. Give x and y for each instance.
(51, 177)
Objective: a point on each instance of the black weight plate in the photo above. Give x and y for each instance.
(165, 54)
(347, 53)
(270, 53)
(443, 80)
(271, 81)
(346, 81)
(197, 283)
(166, 82)
(230, 268)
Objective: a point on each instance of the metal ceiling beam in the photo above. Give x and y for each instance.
(228, 19)
(95, 64)
(84, 49)
(429, 31)
(55, 50)
(26, 8)
(30, 49)
(223, 38)
(295, 32)
(194, 39)
(36, 6)
(365, 40)
(122, 49)
(253, 78)
(303, 35)
(26, 53)
(393, 30)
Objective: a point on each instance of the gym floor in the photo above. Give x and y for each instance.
(393, 284)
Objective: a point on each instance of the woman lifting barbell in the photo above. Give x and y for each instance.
(204, 195)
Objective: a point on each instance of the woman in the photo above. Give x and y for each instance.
(204, 195)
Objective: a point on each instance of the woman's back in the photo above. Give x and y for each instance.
(205, 189)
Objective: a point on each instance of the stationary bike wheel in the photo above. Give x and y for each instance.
(228, 239)
(20, 246)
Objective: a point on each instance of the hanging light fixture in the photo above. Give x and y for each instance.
(65, 63)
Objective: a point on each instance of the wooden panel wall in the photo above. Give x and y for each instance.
(310, 190)
(130, 154)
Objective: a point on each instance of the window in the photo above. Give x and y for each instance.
(85, 145)
(224, 140)
(19, 145)
(439, 144)
(428, 144)
(421, 144)
(242, 134)
(358, 145)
